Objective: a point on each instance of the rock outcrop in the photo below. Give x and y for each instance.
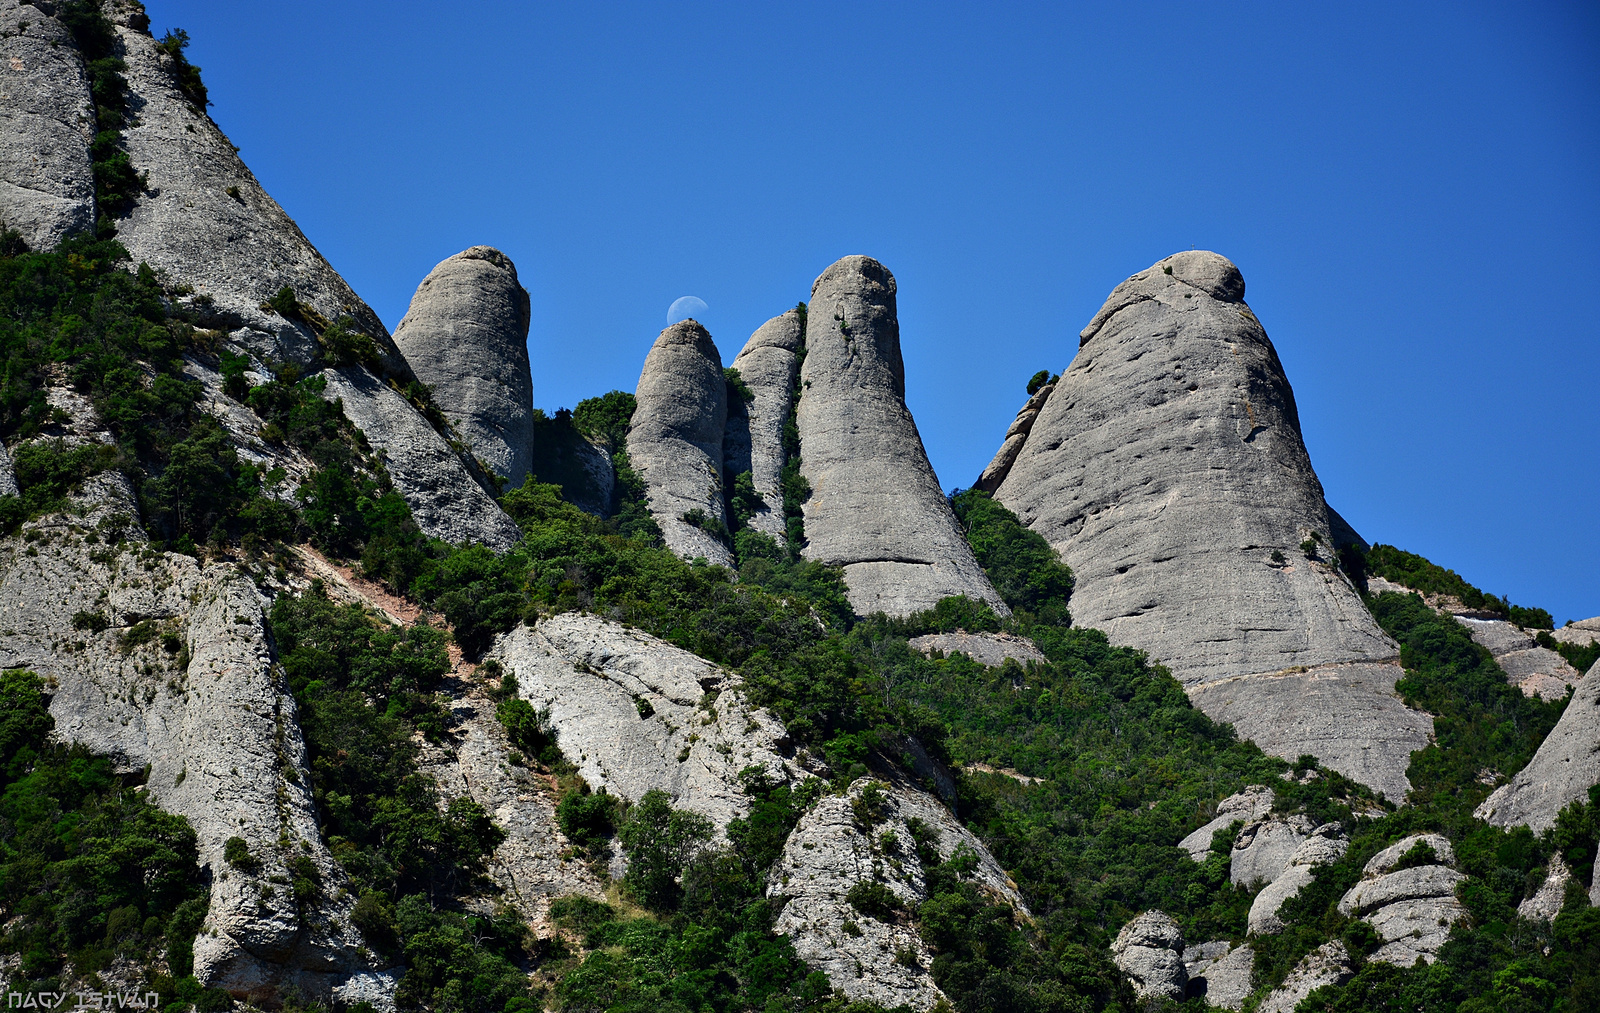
(1537, 671)
(876, 507)
(1328, 964)
(8, 475)
(1263, 849)
(675, 441)
(989, 649)
(1412, 908)
(1247, 806)
(1149, 950)
(1325, 846)
(1546, 902)
(769, 365)
(1583, 632)
(1167, 468)
(635, 713)
(870, 835)
(219, 737)
(1016, 436)
(1221, 973)
(466, 336)
(443, 496)
(46, 124)
(1563, 769)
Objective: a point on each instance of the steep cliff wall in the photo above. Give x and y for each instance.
(769, 365)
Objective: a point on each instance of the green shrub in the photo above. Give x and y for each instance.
(660, 842)
(185, 74)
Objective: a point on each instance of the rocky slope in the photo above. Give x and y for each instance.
(769, 365)
(466, 336)
(675, 441)
(1564, 768)
(1167, 468)
(875, 507)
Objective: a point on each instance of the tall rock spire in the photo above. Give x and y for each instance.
(769, 366)
(675, 441)
(466, 335)
(876, 507)
(1167, 468)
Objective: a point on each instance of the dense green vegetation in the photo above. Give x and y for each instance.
(90, 870)
(1417, 573)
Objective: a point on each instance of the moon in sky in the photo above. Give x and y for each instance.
(684, 307)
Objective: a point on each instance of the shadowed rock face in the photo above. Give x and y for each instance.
(466, 335)
(46, 124)
(769, 366)
(1167, 468)
(675, 441)
(876, 507)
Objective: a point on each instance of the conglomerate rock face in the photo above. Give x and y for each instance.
(675, 440)
(1412, 908)
(1561, 772)
(1167, 468)
(466, 336)
(876, 507)
(769, 366)
(46, 124)
(1149, 950)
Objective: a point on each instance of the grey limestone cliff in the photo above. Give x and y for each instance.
(675, 440)
(466, 336)
(876, 507)
(1167, 468)
(1149, 950)
(46, 124)
(1566, 765)
(769, 366)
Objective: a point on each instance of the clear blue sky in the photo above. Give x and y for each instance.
(1411, 190)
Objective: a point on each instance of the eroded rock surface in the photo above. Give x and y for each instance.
(985, 648)
(219, 736)
(1149, 950)
(769, 365)
(8, 475)
(1583, 632)
(1248, 806)
(443, 496)
(1220, 972)
(46, 124)
(1546, 902)
(675, 441)
(1016, 436)
(1537, 671)
(864, 836)
(1263, 849)
(1562, 771)
(876, 507)
(1324, 846)
(635, 713)
(466, 336)
(1167, 468)
(1328, 964)
(1411, 908)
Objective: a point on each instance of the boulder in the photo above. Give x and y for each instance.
(1563, 769)
(1583, 632)
(991, 649)
(876, 507)
(1149, 950)
(1247, 806)
(675, 440)
(1412, 908)
(634, 713)
(1328, 964)
(1221, 973)
(46, 124)
(1537, 671)
(1168, 469)
(466, 336)
(1325, 846)
(769, 365)
(427, 472)
(844, 840)
(1263, 849)
(1545, 903)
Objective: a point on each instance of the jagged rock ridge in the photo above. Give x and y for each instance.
(769, 366)
(1167, 468)
(876, 507)
(466, 336)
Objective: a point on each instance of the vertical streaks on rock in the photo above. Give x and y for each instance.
(675, 441)
(876, 507)
(769, 366)
(46, 124)
(466, 336)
